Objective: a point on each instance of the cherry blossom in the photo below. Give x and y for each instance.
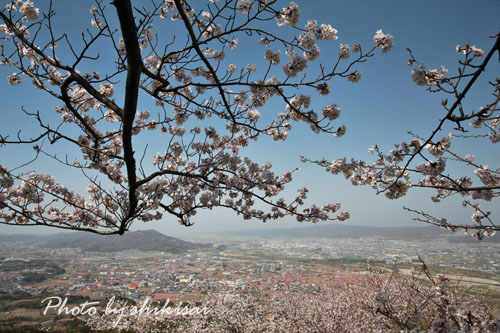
(384, 41)
(290, 15)
(28, 10)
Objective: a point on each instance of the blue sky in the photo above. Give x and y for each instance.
(380, 109)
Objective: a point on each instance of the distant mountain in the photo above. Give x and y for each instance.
(143, 240)
(347, 231)
(150, 240)
(21, 238)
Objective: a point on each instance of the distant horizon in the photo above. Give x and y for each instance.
(148, 238)
(53, 231)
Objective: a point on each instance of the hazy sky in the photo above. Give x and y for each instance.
(380, 109)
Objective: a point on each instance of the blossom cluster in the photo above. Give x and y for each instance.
(384, 41)
(23, 199)
(476, 52)
(25, 8)
(424, 77)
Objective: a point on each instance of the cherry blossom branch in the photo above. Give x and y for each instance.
(458, 102)
(191, 174)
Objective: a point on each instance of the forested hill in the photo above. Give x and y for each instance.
(143, 240)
